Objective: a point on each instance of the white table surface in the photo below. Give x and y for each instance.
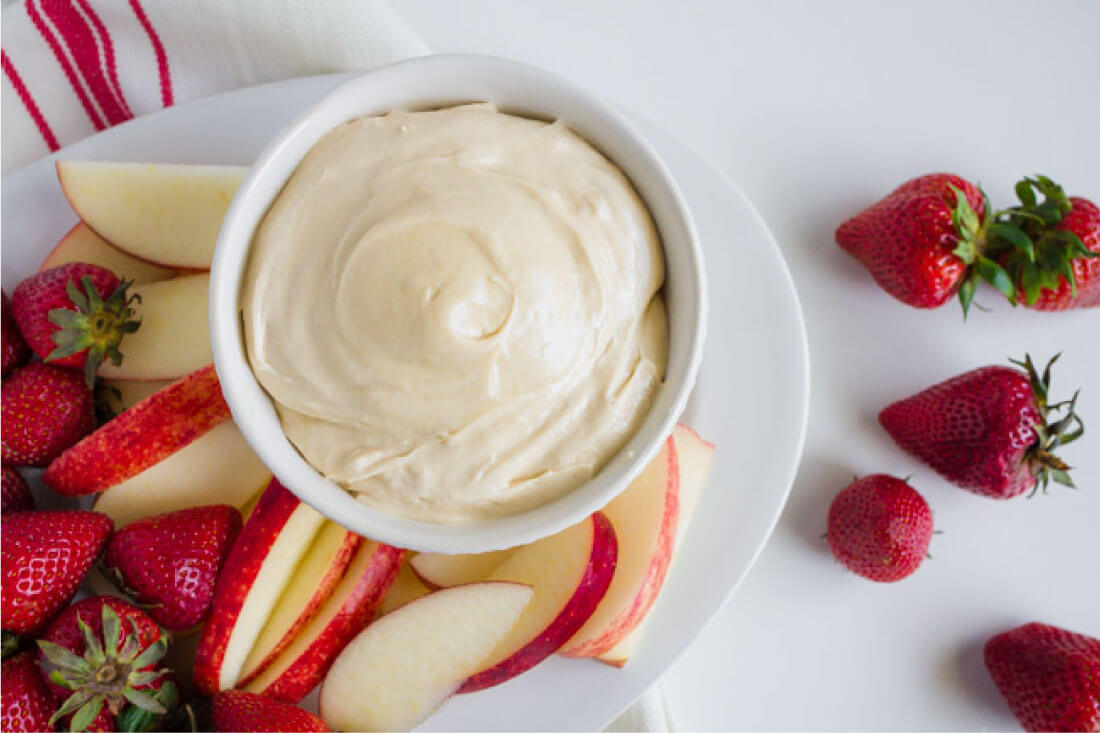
(815, 109)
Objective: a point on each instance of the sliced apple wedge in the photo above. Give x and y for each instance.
(406, 587)
(570, 572)
(312, 583)
(436, 570)
(401, 668)
(694, 459)
(167, 214)
(82, 244)
(644, 517)
(218, 467)
(272, 542)
(122, 394)
(174, 337)
(303, 664)
(144, 435)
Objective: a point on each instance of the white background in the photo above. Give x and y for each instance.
(816, 109)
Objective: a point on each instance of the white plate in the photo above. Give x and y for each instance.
(751, 400)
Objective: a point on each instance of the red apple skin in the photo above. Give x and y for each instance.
(585, 598)
(334, 573)
(272, 511)
(357, 611)
(144, 435)
(655, 576)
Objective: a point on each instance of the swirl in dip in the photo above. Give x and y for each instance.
(456, 312)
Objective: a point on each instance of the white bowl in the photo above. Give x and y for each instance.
(437, 81)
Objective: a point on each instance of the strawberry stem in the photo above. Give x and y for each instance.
(1050, 435)
(96, 326)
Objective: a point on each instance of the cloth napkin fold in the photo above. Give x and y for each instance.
(74, 67)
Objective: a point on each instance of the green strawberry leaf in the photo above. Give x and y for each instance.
(996, 276)
(94, 300)
(1031, 282)
(967, 288)
(143, 700)
(1015, 237)
(1061, 477)
(10, 643)
(72, 703)
(1025, 193)
(62, 658)
(77, 297)
(86, 714)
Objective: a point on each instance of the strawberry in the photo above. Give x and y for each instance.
(45, 410)
(14, 348)
(16, 496)
(1050, 677)
(27, 702)
(45, 557)
(920, 242)
(170, 562)
(236, 710)
(75, 315)
(104, 653)
(1056, 261)
(880, 528)
(988, 431)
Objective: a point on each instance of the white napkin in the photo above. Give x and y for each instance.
(74, 67)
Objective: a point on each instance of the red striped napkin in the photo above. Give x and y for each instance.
(74, 67)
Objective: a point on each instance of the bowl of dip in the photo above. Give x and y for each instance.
(458, 305)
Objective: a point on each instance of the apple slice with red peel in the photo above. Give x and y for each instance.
(144, 435)
(82, 244)
(436, 570)
(352, 605)
(570, 572)
(174, 336)
(695, 457)
(218, 467)
(406, 587)
(272, 542)
(402, 667)
(313, 582)
(645, 517)
(167, 214)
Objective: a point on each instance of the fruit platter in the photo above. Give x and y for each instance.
(157, 576)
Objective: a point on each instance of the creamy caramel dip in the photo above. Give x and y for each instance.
(456, 312)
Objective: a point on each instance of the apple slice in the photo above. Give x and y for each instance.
(436, 570)
(406, 587)
(303, 664)
(122, 394)
(314, 579)
(276, 536)
(82, 244)
(174, 337)
(644, 517)
(570, 572)
(694, 459)
(402, 667)
(144, 435)
(218, 467)
(167, 214)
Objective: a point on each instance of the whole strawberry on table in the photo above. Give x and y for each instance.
(991, 430)
(1050, 677)
(937, 236)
